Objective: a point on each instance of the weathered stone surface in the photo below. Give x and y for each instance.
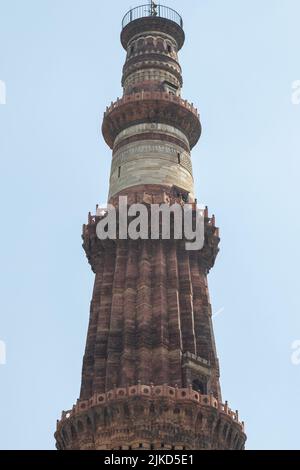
(150, 375)
(151, 162)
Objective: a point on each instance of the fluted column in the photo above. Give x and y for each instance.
(128, 359)
(160, 315)
(174, 326)
(88, 359)
(186, 302)
(103, 321)
(144, 314)
(115, 339)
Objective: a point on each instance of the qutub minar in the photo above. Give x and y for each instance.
(150, 375)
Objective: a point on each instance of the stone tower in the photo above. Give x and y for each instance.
(150, 376)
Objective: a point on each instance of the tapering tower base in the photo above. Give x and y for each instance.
(150, 372)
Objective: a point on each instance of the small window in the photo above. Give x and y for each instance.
(179, 158)
(200, 387)
(185, 197)
(131, 50)
(169, 49)
(119, 172)
(180, 194)
(170, 88)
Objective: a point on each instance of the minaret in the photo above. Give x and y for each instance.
(150, 376)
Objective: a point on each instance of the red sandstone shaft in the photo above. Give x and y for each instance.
(150, 375)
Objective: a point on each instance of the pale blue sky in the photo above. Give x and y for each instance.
(61, 61)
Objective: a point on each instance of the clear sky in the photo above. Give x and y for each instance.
(61, 62)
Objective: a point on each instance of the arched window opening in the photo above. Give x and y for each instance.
(199, 386)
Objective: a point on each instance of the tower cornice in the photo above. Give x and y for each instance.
(157, 107)
(182, 409)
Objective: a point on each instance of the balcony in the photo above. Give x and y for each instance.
(152, 10)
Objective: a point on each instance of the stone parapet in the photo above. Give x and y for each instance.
(156, 107)
(157, 416)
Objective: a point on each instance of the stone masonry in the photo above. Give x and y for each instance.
(150, 375)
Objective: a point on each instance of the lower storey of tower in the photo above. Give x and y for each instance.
(150, 417)
(150, 377)
(150, 318)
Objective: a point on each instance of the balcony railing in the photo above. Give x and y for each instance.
(152, 10)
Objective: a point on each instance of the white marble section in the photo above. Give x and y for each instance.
(152, 127)
(151, 162)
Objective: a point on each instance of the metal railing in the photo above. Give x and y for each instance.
(153, 10)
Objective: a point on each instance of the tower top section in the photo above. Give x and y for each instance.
(152, 17)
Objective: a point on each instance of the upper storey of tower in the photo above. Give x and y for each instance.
(152, 18)
(152, 35)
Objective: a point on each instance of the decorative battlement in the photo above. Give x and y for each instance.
(210, 222)
(94, 247)
(102, 211)
(158, 107)
(152, 392)
(155, 95)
